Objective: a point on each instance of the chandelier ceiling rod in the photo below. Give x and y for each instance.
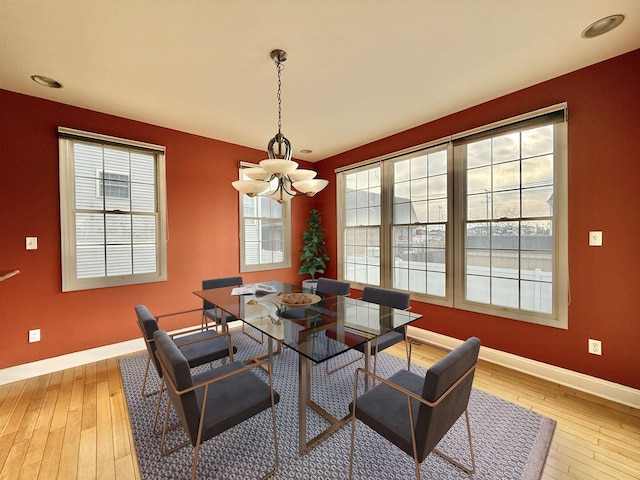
(278, 57)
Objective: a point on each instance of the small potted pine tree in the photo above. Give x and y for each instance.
(314, 253)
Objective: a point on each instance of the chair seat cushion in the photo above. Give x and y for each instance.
(232, 400)
(384, 341)
(294, 314)
(207, 349)
(355, 340)
(385, 409)
(214, 315)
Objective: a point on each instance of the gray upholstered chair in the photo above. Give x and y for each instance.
(330, 286)
(437, 401)
(198, 346)
(213, 313)
(387, 298)
(325, 286)
(213, 401)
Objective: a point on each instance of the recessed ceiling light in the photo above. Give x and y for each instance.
(306, 150)
(46, 81)
(603, 25)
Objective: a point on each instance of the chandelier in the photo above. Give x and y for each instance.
(279, 172)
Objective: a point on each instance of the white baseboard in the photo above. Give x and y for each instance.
(579, 381)
(70, 360)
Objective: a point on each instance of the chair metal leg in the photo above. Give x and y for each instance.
(155, 416)
(409, 351)
(333, 370)
(457, 463)
(260, 340)
(406, 348)
(353, 424)
(413, 438)
(163, 450)
(273, 414)
(144, 380)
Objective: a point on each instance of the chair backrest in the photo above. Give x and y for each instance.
(388, 298)
(433, 423)
(176, 367)
(148, 325)
(218, 283)
(333, 287)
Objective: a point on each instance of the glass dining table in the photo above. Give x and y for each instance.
(322, 328)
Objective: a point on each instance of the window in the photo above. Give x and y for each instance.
(477, 221)
(112, 211)
(420, 187)
(265, 232)
(362, 225)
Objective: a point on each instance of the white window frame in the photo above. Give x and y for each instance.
(70, 280)
(455, 254)
(371, 264)
(286, 222)
(446, 242)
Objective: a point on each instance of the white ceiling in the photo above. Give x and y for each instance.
(358, 70)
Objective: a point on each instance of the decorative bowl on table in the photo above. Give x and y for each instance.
(297, 300)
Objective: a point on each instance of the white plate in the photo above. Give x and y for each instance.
(314, 299)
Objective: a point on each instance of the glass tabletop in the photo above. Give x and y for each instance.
(319, 331)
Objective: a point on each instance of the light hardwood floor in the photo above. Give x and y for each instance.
(75, 424)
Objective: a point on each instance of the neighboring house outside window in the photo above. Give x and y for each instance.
(114, 185)
(477, 221)
(265, 232)
(112, 210)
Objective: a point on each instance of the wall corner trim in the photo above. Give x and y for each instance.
(579, 381)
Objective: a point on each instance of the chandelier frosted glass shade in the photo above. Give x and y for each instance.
(257, 173)
(286, 177)
(278, 166)
(250, 187)
(300, 175)
(310, 187)
(283, 192)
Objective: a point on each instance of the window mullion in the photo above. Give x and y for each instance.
(386, 219)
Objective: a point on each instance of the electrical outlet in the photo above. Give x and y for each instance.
(34, 335)
(595, 347)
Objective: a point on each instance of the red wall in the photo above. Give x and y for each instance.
(604, 194)
(202, 225)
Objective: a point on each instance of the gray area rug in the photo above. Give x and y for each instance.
(510, 442)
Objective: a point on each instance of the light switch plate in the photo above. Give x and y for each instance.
(34, 335)
(595, 239)
(32, 243)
